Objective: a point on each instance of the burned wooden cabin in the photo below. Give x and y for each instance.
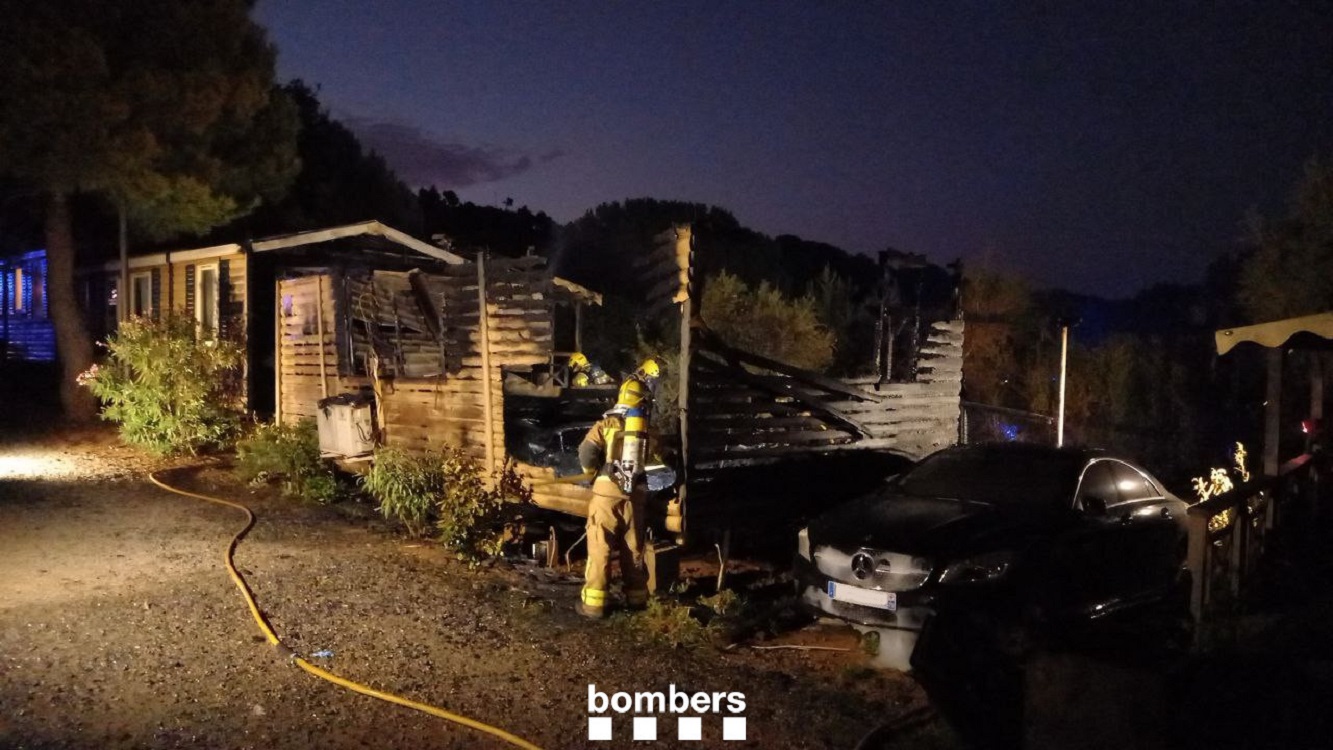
(362, 308)
(755, 437)
(228, 289)
(469, 353)
(435, 347)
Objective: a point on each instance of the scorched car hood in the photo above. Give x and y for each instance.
(924, 526)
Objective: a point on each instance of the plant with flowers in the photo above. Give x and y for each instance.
(167, 390)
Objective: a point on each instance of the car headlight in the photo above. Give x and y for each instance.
(803, 543)
(991, 566)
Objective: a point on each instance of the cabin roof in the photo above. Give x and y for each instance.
(298, 239)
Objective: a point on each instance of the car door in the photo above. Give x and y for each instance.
(1082, 571)
(1153, 523)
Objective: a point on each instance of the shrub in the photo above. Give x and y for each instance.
(169, 392)
(474, 521)
(668, 623)
(447, 491)
(289, 454)
(408, 487)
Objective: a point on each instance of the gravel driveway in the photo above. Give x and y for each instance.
(119, 628)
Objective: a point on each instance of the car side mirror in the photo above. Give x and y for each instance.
(1094, 506)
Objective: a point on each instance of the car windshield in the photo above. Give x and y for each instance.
(998, 477)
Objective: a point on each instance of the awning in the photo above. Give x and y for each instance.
(1275, 333)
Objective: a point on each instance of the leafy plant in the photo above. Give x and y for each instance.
(669, 623)
(169, 392)
(289, 454)
(449, 490)
(408, 487)
(723, 603)
(477, 521)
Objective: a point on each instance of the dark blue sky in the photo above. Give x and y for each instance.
(1096, 146)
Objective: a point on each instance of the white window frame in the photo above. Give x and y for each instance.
(211, 333)
(135, 303)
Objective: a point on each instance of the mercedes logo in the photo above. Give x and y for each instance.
(863, 566)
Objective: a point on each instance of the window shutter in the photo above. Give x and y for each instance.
(189, 292)
(156, 294)
(225, 322)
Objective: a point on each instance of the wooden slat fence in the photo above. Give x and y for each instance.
(1230, 534)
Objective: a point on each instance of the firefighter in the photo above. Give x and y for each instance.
(616, 448)
(649, 372)
(585, 373)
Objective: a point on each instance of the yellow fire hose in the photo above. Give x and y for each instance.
(276, 642)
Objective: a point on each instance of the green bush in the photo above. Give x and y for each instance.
(169, 392)
(408, 487)
(476, 521)
(448, 491)
(289, 454)
(668, 623)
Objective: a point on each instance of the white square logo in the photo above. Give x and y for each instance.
(689, 728)
(733, 727)
(599, 728)
(645, 727)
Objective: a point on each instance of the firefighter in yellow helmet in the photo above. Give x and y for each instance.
(648, 372)
(585, 373)
(617, 448)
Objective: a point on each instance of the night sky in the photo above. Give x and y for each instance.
(1100, 147)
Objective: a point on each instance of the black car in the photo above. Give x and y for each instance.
(539, 444)
(1023, 532)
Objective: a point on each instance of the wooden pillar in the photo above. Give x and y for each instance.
(319, 332)
(687, 316)
(578, 326)
(1196, 559)
(484, 343)
(277, 352)
(1273, 412)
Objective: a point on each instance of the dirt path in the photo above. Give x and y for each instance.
(119, 628)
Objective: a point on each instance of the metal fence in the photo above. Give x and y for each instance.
(983, 423)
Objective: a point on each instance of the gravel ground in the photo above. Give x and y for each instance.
(119, 628)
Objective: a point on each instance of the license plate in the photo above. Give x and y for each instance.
(841, 592)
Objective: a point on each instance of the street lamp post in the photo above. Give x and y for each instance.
(1064, 371)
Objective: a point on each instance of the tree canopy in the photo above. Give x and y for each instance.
(165, 108)
(340, 181)
(766, 322)
(504, 231)
(1291, 270)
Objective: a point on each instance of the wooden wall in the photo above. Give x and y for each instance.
(173, 288)
(763, 435)
(463, 405)
(307, 367)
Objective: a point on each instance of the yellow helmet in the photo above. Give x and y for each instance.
(652, 368)
(632, 394)
(577, 361)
